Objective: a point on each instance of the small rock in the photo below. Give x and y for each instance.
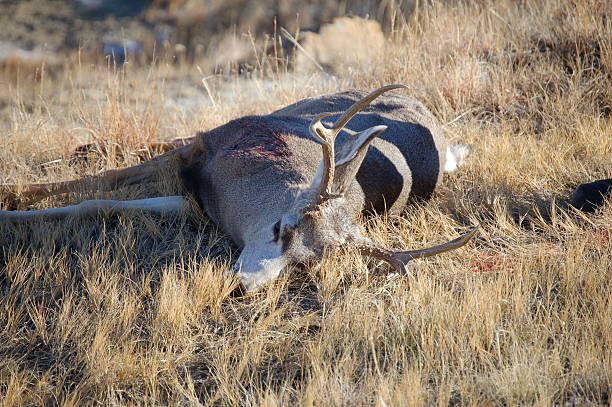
(121, 49)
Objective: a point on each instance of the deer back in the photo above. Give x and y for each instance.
(404, 161)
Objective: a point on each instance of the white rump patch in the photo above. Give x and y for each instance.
(456, 156)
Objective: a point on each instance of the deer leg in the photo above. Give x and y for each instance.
(107, 181)
(167, 205)
(83, 152)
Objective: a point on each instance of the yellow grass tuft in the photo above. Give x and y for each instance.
(135, 311)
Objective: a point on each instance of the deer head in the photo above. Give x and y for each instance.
(320, 216)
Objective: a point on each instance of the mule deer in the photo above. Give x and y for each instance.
(262, 179)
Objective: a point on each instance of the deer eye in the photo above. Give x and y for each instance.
(276, 230)
(286, 236)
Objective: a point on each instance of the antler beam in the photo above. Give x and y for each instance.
(399, 259)
(327, 137)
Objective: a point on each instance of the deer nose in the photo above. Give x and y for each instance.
(233, 273)
(246, 281)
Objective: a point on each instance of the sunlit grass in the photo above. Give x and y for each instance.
(135, 311)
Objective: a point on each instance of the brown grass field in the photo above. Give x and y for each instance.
(134, 311)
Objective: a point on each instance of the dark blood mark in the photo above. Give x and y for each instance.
(254, 138)
(264, 146)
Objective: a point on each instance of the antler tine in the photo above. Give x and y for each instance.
(327, 137)
(400, 259)
(348, 115)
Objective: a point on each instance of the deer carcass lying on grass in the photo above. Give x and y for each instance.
(263, 181)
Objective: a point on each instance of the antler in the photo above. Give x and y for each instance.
(400, 259)
(327, 137)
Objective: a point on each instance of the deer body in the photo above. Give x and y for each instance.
(262, 180)
(270, 158)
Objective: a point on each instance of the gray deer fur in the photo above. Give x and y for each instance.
(262, 180)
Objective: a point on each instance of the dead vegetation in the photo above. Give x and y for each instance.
(133, 310)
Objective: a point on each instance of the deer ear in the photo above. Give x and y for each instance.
(350, 155)
(199, 148)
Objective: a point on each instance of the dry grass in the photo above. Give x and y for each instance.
(133, 311)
